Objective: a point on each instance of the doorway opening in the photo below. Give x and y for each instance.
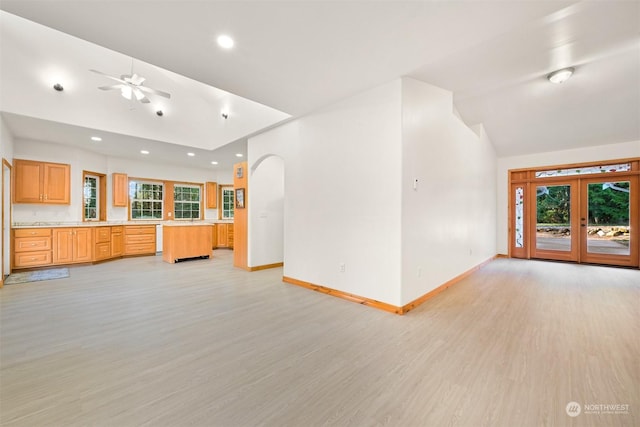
(587, 213)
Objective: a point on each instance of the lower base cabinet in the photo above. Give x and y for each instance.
(72, 245)
(41, 247)
(223, 236)
(139, 239)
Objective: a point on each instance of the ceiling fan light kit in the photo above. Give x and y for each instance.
(130, 86)
(561, 76)
(58, 87)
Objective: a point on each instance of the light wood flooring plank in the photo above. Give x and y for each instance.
(142, 342)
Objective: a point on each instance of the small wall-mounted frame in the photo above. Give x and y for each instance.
(239, 172)
(239, 198)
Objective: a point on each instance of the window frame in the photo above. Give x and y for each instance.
(221, 209)
(132, 200)
(101, 196)
(199, 202)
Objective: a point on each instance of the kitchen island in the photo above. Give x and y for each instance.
(185, 240)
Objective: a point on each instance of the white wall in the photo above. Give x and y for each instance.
(342, 198)
(6, 152)
(448, 222)
(81, 160)
(266, 212)
(587, 154)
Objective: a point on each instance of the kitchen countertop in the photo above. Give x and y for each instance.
(52, 224)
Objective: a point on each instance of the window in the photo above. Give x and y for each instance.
(227, 200)
(146, 199)
(91, 198)
(186, 199)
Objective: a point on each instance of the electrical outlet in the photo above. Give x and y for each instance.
(343, 267)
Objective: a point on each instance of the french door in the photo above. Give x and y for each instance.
(588, 219)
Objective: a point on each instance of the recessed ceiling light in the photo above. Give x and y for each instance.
(190, 154)
(226, 42)
(144, 151)
(239, 155)
(96, 138)
(214, 163)
(561, 76)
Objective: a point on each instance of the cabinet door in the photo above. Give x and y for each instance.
(214, 236)
(117, 244)
(212, 195)
(222, 235)
(82, 244)
(62, 245)
(27, 181)
(57, 183)
(119, 189)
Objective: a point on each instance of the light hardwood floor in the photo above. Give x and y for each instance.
(142, 342)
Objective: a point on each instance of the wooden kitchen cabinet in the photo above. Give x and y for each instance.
(120, 189)
(212, 195)
(31, 247)
(139, 239)
(102, 239)
(224, 235)
(185, 241)
(40, 182)
(72, 245)
(117, 241)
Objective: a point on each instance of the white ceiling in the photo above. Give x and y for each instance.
(294, 57)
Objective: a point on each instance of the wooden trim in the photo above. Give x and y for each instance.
(382, 305)
(415, 303)
(102, 196)
(221, 188)
(344, 295)
(266, 266)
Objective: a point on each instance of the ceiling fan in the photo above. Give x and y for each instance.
(130, 86)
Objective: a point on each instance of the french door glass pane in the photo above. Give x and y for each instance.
(553, 217)
(608, 222)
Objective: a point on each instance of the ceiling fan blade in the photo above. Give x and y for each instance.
(154, 91)
(140, 96)
(113, 87)
(108, 76)
(136, 79)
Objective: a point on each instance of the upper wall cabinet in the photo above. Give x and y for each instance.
(212, 195)
(120, 189)
(41, 182)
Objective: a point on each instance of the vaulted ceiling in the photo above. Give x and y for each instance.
(294, 57)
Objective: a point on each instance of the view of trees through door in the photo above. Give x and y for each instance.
(579, 213)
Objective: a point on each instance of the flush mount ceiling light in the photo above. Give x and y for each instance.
(190, 154)
(58, 87)
(144, 152)
(96, 138)
(239, 155)
(561, 76)
(214, 163)
(225, 42)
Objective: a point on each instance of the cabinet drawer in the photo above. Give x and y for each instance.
(117, 229)
(103, 250)
(32, 259)
(103, 234)
(140, 248)
(32, 232)
(30, 244)
(141, 238)
(140, 229)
